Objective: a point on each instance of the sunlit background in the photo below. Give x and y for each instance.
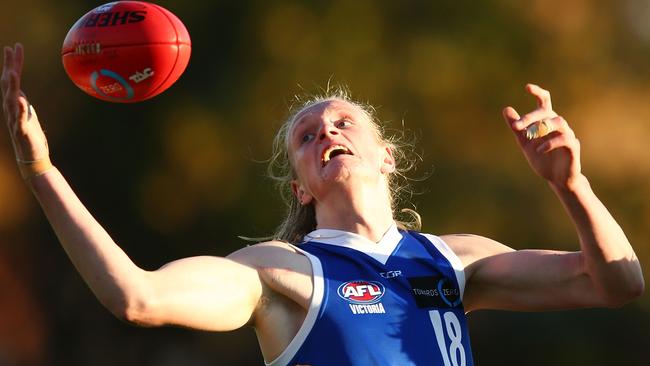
(180, 175)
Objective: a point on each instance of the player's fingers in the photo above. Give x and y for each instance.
(24, 113)
(532, 117)
(9, 58)
(510, 115)
(11, 95)
(30, 110)
(561, 125)
(557, 141)
(19, 57)
(543, 96)
(14, 85)
(6, 68)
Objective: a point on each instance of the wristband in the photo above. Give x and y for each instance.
(33, 168)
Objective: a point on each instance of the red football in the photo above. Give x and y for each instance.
(126, 51)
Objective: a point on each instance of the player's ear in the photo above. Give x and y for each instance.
(301, 194)
(388, 164)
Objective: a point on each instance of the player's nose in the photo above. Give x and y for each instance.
(327, 129)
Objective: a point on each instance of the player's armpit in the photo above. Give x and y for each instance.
(208, 293)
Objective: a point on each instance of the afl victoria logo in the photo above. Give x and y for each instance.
(361, 292)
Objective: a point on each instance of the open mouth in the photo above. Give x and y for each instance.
(333, 151)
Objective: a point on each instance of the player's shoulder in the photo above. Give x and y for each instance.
(471, 248)
(282, 268)
(272, 254)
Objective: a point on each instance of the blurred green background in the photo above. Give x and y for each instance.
(179, 175)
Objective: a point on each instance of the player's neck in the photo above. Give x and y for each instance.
(365, 211)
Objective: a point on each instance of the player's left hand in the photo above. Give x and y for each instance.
(555, 156)
(27, 136)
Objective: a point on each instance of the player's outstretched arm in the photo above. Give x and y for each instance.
(605, 272)
(203, 292)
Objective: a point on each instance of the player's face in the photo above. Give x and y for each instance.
(334, 141)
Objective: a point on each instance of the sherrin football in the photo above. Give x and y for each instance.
(126, 51)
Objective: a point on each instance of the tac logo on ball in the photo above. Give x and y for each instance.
(361, 292)
(126, 51)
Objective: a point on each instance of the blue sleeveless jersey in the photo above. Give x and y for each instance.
(396, 302)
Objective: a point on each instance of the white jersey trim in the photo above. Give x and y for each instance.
(445, 250)
(312, 312)
(380, 251)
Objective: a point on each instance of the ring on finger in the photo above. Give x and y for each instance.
(539, 129)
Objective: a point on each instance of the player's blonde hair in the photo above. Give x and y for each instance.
(301, 219)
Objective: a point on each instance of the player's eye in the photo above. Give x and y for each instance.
(343, 123)
(307, 137)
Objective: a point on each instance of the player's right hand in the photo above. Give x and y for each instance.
(554, 156)
(29, 142)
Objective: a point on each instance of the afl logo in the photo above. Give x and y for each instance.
(361, 292)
